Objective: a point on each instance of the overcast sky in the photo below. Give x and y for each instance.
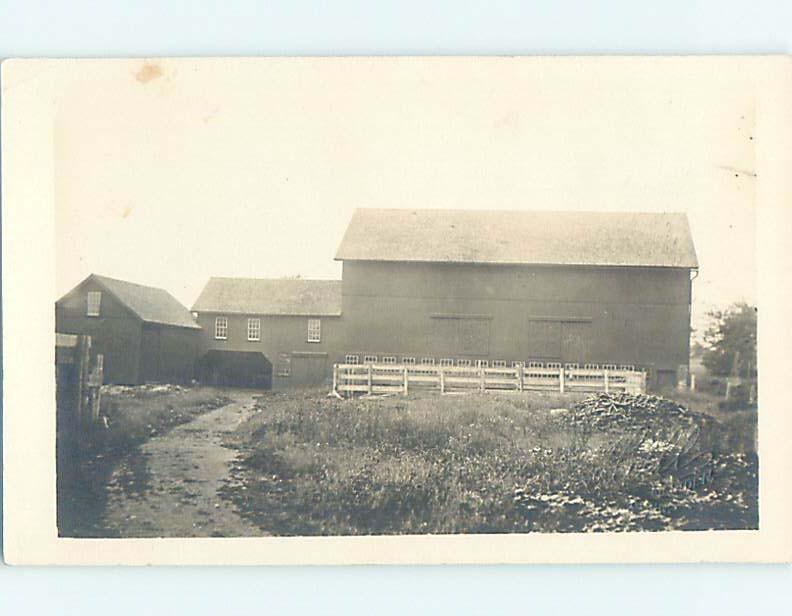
(168, 173)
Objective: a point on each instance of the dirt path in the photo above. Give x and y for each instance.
(170, 487)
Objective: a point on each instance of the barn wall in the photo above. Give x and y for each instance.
(603, 315)
(168, 354)
(283, 342)
(115, 333)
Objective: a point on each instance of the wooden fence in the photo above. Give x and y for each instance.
(349, 379)
(78, 376)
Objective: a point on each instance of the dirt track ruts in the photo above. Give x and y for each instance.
(169, 487)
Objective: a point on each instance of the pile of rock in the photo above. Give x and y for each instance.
(623, 410)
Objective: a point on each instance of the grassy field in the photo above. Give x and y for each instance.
(134, 414)
(489, 463)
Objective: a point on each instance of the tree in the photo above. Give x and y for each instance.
(730, 341)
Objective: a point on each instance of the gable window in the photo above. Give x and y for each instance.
(408, 361)
(369, 359)
(352, 359)
(254, 330)
(427, 361)
(221, 328)
(314, 330)
(93, 303)
(388, 359)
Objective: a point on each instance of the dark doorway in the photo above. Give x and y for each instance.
(235, 369)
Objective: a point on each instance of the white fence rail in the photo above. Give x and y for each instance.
(350, 379)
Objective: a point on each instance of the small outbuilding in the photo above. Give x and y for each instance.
(269, 332)
(144, 333)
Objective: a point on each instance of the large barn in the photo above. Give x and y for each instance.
(568, 287)
(458, 286)
(144, 333)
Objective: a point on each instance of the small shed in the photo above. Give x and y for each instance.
(144, 333)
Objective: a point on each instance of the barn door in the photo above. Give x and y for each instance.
(308, 370)
(575, 341)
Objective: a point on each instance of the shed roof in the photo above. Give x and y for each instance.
(284, 296)
(151, 304)
(520, 237)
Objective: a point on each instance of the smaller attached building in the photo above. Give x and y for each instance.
(144, 333)
(269, 333)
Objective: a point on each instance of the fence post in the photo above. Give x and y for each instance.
(607, 388)
(369, 380)
(335, 379)
(442, 381)
(561, 378)
(405, 381)
(83, 360)
(481, 379)
(95, 380)
(520, 376)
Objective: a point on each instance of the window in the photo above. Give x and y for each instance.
(516, 364)
(369, 359)
(314, 330)
(591, 366)
(408, 361)
(388, 359)
(627, 368)
(221, 328)
(427, 361)
(609, 366)
(554, 365)
(571, 366)
(93, 303)
(535, 364)
(254, 330)
(446, 362)
(482, 363)
(352, 359)
(465, 363)
(284, 364)
(498, 364)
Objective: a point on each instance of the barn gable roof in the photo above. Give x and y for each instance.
(520, 237)
(150, 304)
(297, 297)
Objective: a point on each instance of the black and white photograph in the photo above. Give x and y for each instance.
(356, 297)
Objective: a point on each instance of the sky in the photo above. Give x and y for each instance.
(168, 172)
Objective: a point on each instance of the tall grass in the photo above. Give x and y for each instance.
(474, 463)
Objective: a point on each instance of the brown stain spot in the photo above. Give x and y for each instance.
(127, 211)
(210, 115)
(148, 72)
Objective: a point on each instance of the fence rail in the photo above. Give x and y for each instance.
(349, 379)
